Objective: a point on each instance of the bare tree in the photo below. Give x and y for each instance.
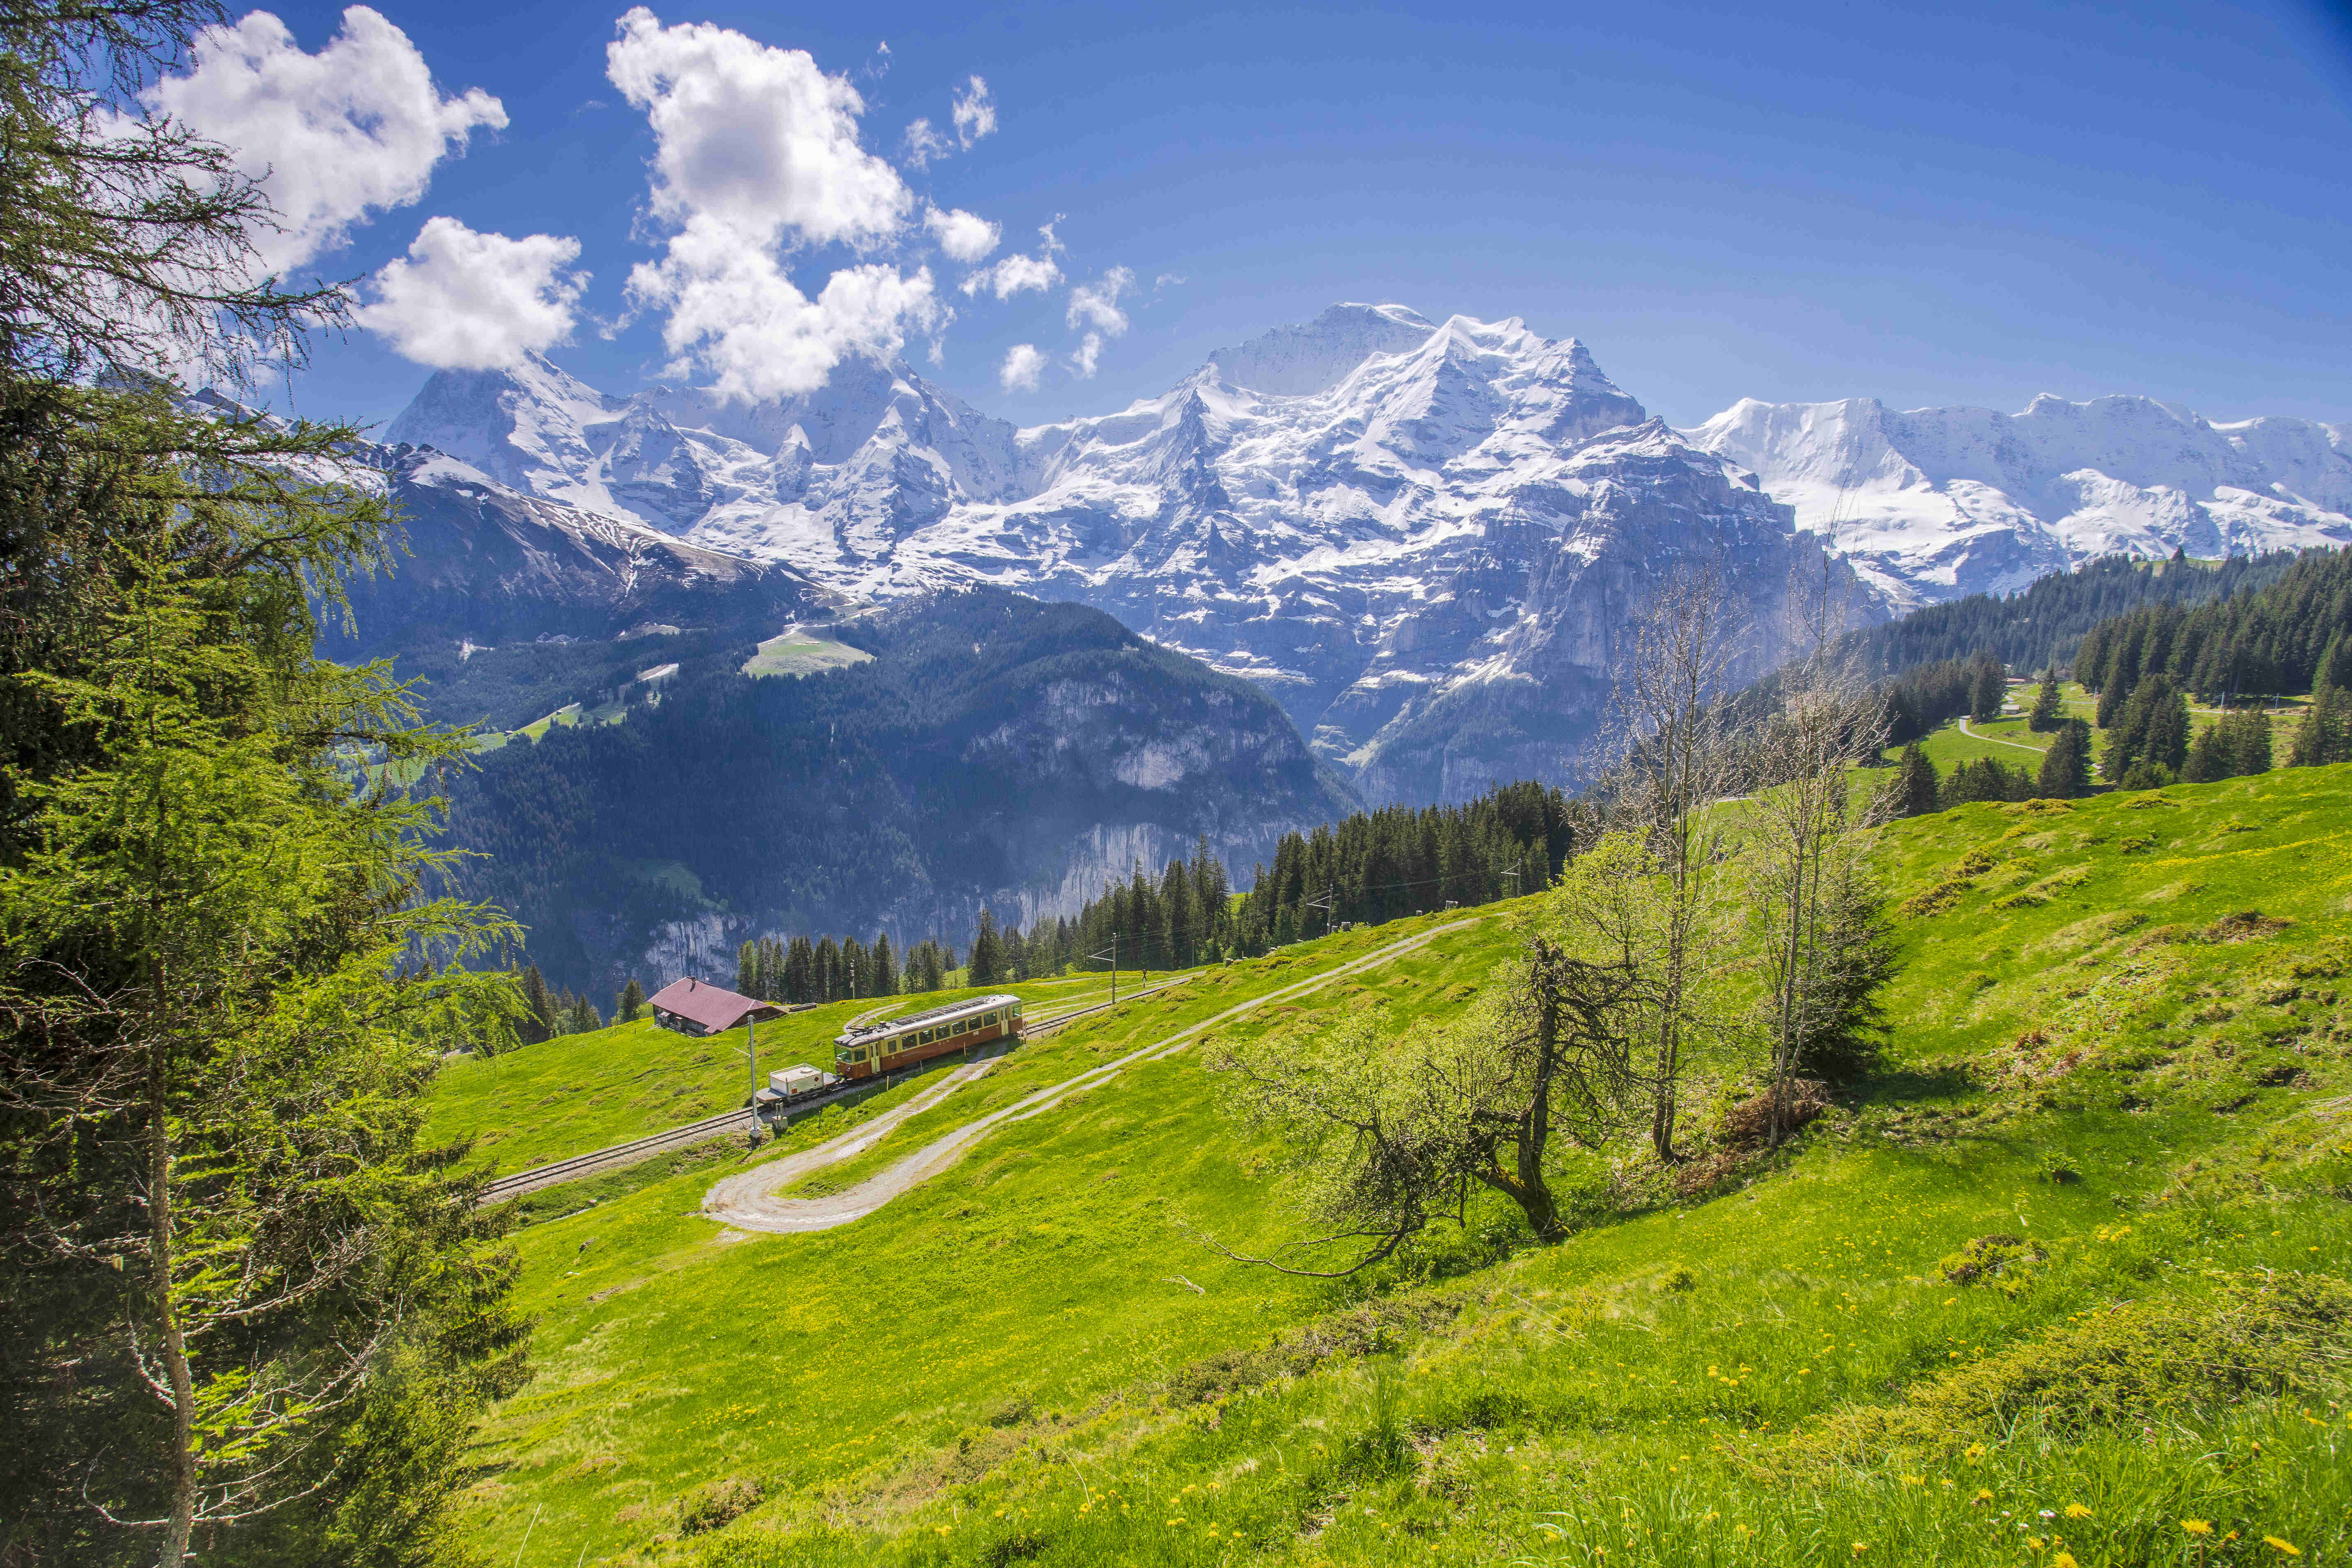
(1671, 757)
(1809, 841)
(1387, 1133)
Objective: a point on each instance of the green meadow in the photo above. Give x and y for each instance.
(2061, 1284)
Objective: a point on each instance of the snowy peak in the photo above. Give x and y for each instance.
(1293, 361)
(1936, 502)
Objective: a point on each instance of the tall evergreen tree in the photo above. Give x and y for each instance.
(886, 967)
(632, 1002)
(2066, 766)
(1915, 782)
(2049, 710)
(538, 1022)
(1988, 688)
(985, 954)
(2325, 733)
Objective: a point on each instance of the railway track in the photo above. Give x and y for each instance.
(617, 1155)
(598, 1161)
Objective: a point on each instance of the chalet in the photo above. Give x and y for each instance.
(692, 1008)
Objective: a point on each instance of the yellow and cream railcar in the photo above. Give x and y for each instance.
(895, 1043)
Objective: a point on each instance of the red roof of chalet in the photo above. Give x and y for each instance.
(712, 1006)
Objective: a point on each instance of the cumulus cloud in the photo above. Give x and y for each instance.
(1095, 304)
(733, 311)
(354, 128)
(1014, 274)
(754, 137)
(965, 236)
(463, 301)
(1088, 355)
(971, 112)
(1023, 364)
(756, 153)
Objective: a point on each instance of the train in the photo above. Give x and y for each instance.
(895, 1043)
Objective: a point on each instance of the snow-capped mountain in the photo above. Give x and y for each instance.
(1934, 503)
(1424, 539)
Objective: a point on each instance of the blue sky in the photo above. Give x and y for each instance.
(1790, 203)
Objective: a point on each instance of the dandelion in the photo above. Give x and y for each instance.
(2197, 1526)
(2076, 1510)
(1860, 1547)
(2288, 1547)
(2033, 1543)
(1915, 1481)
(1984, 1494)
(2064, 1560)
(1974, 1450)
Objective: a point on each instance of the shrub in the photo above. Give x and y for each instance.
(708, 1507)
(1996, 1256)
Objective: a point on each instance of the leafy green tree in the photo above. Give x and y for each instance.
(2066, 766)
(2049, 710)
(632, 1002)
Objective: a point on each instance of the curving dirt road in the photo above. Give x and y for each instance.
(750, 1200)
(1998, 740)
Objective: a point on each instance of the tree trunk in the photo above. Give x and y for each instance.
(182, 1521)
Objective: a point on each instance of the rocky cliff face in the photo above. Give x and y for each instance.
(1935, 503)
(996, 751)
(488, 564)
(1423, 538)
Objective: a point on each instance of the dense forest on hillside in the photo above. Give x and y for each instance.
(1371, 866)
(2046, 622)
(995, 742)
(2274, 639)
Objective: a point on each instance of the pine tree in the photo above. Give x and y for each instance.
(1988, 688)
(747, 970)
(985, 954)
(2324, 735)
(538, 1022)
(2066, 766)
(886, 967)
(2209, 757)
(2049, 710)
(632, 1002)
(1915, 782)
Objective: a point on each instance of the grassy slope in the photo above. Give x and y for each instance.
(1043, 1267)
(1580, 1402)
(580, 1092)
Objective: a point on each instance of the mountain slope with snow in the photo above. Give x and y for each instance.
(1934, 503)
(1423, 538)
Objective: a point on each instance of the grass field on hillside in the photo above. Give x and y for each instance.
(2120, 1039)
(581, 1092)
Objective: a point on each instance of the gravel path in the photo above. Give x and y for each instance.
(1999, 740)
(750, 1200)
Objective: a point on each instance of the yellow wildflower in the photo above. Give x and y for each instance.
(1915, 1481)
(2289, 1547)
(1984, 1494)
(1974, 1450)
(2076, 1510)
(2064, 1560)
(2197, 1527)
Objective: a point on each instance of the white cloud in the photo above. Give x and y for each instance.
(354, 128)
(975, 113)
(756, 154)
(965, 236)
(754, 137)
(1089, 354)
(1023, 364)
(732, 312)
(1095, 304)
(1014, 274)
(463, 301)
(924, 143)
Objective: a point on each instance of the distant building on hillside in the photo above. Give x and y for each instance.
(692, 1008)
